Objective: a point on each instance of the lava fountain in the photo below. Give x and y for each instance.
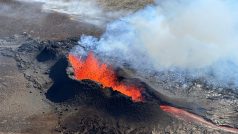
(91, 68)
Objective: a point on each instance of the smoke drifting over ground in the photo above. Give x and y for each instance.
(97, 12)
(195, 39)
(83, 9)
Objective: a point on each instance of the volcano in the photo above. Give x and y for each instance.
(92, 69)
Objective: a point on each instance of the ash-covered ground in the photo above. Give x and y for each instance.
(37, 94)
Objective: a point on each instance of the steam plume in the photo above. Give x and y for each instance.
(82, 10)
(197, 37)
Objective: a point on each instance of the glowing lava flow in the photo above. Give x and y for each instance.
(92, 69)
(186, 116)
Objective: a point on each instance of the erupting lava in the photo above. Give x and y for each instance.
(92, 69)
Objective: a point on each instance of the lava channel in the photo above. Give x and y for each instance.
(189, 117)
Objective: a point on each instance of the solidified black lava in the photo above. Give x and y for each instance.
(111, 112)
(76, 93)
(63, 87)
(46, 54)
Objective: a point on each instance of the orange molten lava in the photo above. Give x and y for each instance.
(186, 116)
(92, 69)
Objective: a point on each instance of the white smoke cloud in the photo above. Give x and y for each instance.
(199, 37)
(82, 10)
